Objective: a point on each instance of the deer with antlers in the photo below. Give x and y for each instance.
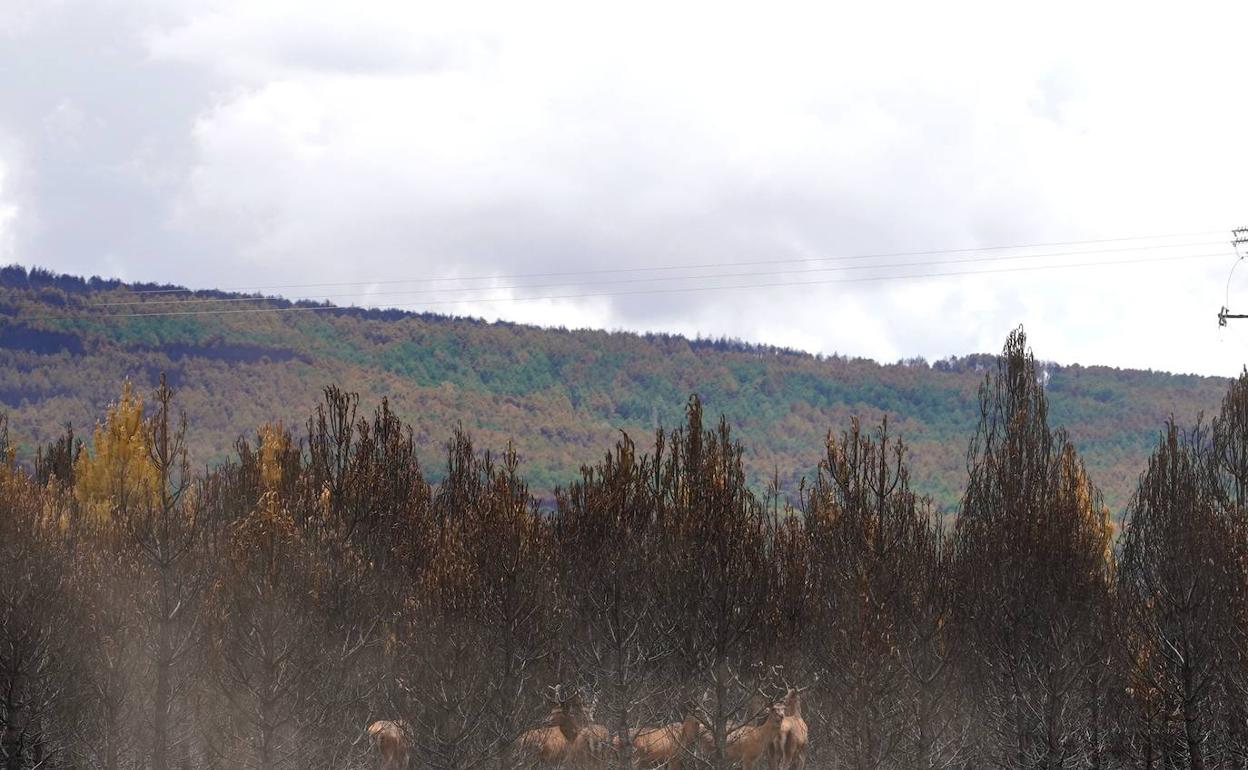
(549, 744)
(567, 738)
(789, 746)
(589, 747)
(391, 739)
(748, 743)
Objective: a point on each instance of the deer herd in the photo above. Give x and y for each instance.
(571, 739)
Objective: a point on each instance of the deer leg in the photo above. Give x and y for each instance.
(780, 751)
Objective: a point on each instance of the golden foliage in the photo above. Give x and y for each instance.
(274, 444)
(269, 531)
(1094, 515)
(118, 469)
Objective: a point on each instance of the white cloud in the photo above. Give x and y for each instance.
(8, 219)
(256, 42)
(10, 202)
(397, 140)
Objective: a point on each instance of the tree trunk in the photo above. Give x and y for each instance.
(111, 760)
(721, 718)
(1191, 725)
(164, 687)
(14, 739)
(1052, 728)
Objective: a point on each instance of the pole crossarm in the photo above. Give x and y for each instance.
(1225, 315)
(1239, 237)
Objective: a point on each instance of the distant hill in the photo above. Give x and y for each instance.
(560, 395)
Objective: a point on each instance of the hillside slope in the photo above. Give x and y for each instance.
(559, 395)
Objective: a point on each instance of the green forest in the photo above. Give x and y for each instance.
(557, 396)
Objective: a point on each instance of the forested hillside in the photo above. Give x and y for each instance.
(315, 603)
(559, 395)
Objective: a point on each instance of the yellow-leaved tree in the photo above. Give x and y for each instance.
(118, 469)
(1095, 520)
(275, 444)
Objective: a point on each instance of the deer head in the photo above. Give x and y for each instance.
(792, 697)
(567, 713)
(775, 714)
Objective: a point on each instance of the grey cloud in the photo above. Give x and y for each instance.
(88, 111)
(254, 144)
(259, 42)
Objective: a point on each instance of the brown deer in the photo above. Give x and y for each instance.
(567, 738)
(589, 747)
(549, 744)
(755, 714)
(748, 743)
(391, 739)
(666, 745)
(789, 748)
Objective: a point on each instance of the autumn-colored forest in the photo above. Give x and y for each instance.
(560, 396)
(264, 611)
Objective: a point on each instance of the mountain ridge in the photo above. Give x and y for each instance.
(560, 395)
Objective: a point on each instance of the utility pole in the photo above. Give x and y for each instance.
(1239, 239)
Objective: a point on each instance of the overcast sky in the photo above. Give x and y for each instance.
(239, 144)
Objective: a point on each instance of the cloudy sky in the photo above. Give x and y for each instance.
(571, 147)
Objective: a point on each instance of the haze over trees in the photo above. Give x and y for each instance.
(262, 612)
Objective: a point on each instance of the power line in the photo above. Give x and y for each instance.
(670, 290)
(1239, 237)
(620, 281)
(693, 266)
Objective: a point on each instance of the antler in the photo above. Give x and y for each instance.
(699, 705)
(590, 704)
(813, 682)
(768, 703)
(779, 674)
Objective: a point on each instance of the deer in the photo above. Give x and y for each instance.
(391, 739)
(657, 746)
(589, 747)
(550, 744)
(748, 743)
(789, 747)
